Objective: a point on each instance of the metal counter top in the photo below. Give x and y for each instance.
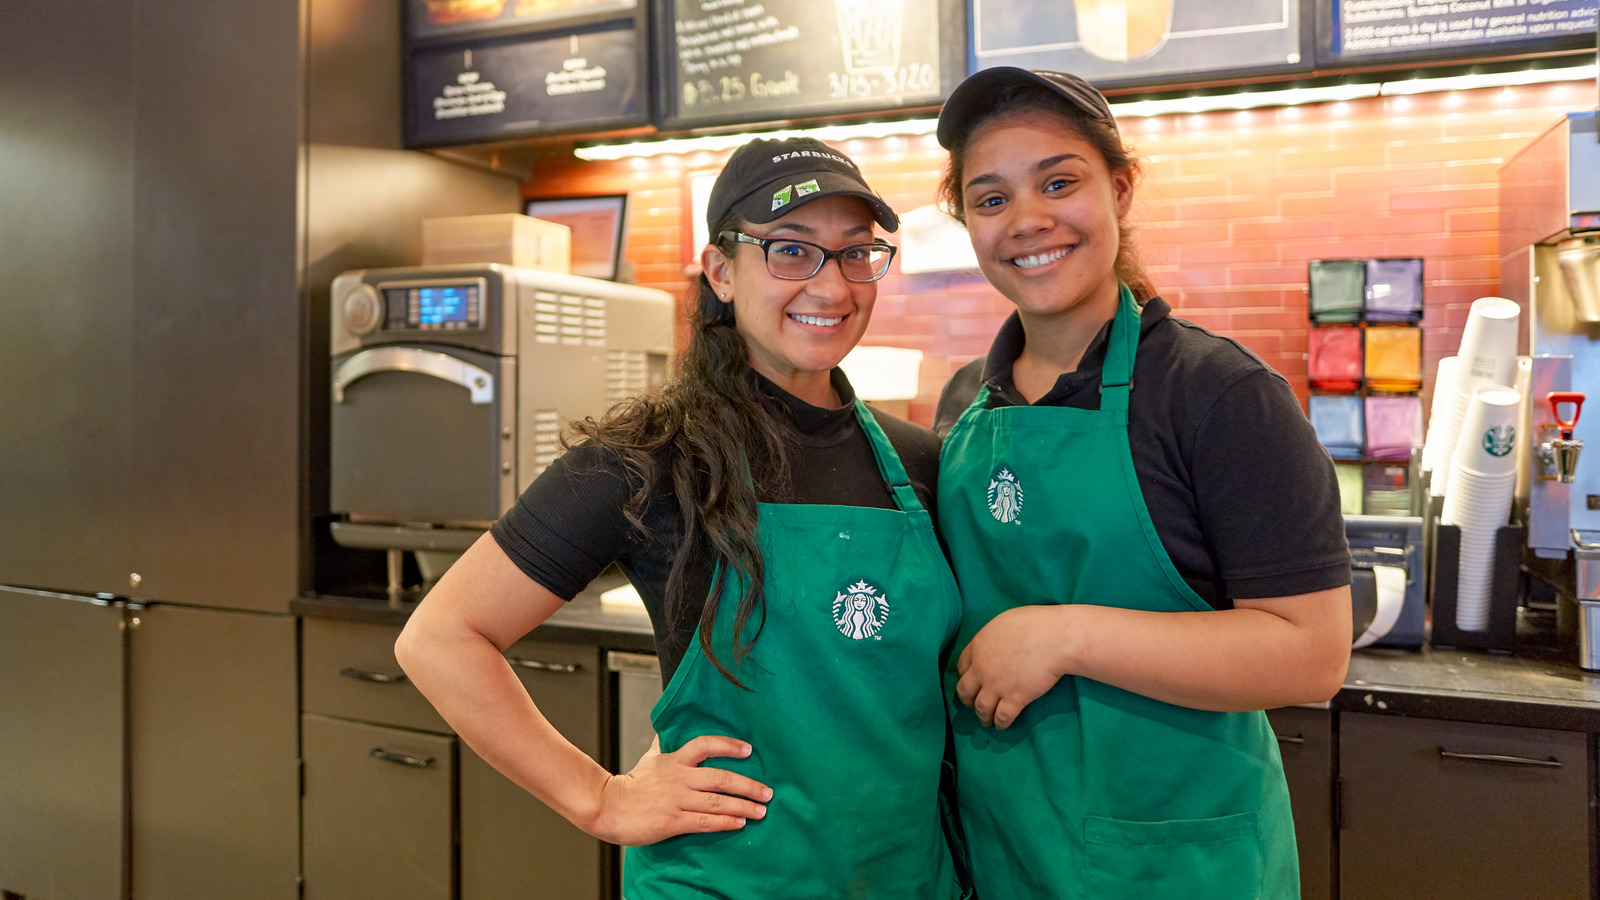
(585, 620)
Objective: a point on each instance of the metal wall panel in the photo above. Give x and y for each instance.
(61, 754)
(66, 297)
(213, 732)
(217, 312)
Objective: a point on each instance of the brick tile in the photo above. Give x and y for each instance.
(1198, 210)
(1281, 229)
(1458, 198)
(1481, 220)
(1383, 178)
(1417, 223)
(1462, 149)
(1183, 188)
(1334, 205)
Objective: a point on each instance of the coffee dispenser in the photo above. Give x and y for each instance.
(1550, 263)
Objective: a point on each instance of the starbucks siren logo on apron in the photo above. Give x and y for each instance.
(860, 610)
(1005, 496)
(1498, 441)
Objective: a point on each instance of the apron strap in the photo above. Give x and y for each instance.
(889, 465)
(1116, 379)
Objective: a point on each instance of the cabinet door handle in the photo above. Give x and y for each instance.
(539, 665)
(415, 762)
(1497, 759)
(1285, 739)
(374, 677)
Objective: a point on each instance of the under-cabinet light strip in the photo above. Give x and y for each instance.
(1137, 108)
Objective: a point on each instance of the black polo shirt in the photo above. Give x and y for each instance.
(569, 524)
(1240, 491)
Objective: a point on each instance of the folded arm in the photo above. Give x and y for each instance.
(1261, 654)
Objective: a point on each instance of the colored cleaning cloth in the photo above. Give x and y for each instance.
(1338, 423)
(1333, 358)
(1394, 290)
(1351, 488)
(1394, 358)
(1394, 426)
(1338, 289)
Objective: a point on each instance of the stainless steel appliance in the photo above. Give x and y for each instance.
(451, 386)
(1550, 262)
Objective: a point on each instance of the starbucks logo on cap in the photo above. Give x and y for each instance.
(1005, 496)
(1497, 441)
(860, 610)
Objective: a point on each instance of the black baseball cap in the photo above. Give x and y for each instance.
(975, 97)
(767, 179)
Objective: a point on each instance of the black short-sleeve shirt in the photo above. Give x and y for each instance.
(568, 526)
(1241, 493)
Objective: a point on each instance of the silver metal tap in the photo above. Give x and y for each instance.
(1563, 452)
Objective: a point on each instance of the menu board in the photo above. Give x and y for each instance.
(1420, 29)
(745, 60)
(427, 19)
(1126, 41)
(532, 85)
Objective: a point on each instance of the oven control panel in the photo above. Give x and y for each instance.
(438, 306)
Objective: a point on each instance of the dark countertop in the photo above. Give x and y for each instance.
(1472, 686)
(1439, 684)
(585, 620)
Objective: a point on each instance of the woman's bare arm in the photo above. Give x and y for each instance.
(452, 650)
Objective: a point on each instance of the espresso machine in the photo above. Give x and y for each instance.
(1550, 263)
(451, 387)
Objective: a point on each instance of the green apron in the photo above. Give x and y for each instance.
(845, 713)
(1094, 792)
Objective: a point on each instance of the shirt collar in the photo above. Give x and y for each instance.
(1009, 341)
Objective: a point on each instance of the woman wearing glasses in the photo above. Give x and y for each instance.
(779, 533)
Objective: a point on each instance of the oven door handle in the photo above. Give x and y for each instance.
(411, 359)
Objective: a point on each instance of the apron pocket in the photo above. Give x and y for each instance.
(1198, 859)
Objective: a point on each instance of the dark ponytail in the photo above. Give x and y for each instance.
(712, 443)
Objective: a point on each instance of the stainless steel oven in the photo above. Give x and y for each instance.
(451, 386)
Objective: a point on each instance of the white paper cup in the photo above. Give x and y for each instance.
(1479, 504)
(1489, 343)
(1444, 379)
(1488, 437)
(1455, 413)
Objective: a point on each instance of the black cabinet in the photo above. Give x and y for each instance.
(378, 812)
(396, 807)
(213, 780)
(61, 758)
(1305, 740)
(1461, 810)
(147, 752)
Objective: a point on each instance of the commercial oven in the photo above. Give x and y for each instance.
(451, 386)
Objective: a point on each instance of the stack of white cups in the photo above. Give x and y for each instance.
(1488, 355)
(1483, 476)
(1444, 380)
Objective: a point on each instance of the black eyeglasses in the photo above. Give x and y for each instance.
(794, 260)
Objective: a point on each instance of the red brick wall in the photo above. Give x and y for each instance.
(1234, 205)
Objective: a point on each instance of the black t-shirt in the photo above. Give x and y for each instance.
(568, 525)
(1240, 491)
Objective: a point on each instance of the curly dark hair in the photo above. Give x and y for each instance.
(712, 443)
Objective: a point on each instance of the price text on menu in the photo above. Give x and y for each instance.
(736, 59)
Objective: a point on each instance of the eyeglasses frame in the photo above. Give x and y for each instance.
(837, 255)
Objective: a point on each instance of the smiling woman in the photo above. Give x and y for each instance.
(780, 535)
(1145, 529)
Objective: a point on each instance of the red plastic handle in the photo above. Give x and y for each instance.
(1557, 398)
